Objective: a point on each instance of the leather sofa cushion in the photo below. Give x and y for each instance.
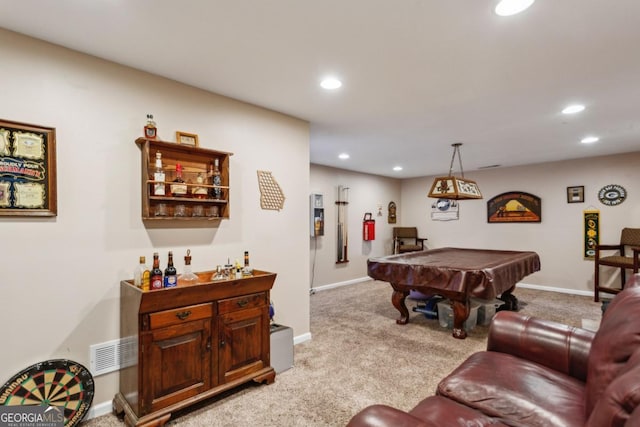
(615, 342)
(506, 387)
(443, 412)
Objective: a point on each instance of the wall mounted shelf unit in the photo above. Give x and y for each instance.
(203, 200)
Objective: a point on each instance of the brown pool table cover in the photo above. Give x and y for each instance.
(453, 269)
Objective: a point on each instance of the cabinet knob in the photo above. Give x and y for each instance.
(222, 343)
(242, 302)
(183, 314)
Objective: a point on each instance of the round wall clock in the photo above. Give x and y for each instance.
(612, 195)
(58, 382)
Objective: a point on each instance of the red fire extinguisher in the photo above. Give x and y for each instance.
(368, 227)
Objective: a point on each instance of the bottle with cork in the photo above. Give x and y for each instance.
(188, 276)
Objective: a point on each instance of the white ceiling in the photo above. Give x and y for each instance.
(418, 75)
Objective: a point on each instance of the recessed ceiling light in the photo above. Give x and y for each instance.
(572, 109)
(512, 7)
(589, 139)
(343, 156)
(330, 83)
(397, 168)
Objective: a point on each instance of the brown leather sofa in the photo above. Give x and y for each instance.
(537, 372)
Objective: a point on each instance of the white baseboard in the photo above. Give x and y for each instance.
(338, 284)
(302, 338)
(97, 410)
(519, 285)
(554, 289)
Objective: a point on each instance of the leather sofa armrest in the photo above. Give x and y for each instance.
(555, 345)
(386, 416)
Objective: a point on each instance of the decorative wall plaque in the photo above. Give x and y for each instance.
(612, 195)
(27, 170)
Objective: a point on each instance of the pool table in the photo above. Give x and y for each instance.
(455, 273)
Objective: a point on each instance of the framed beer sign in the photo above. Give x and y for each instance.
(27, 170)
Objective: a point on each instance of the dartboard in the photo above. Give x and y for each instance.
(57, 382)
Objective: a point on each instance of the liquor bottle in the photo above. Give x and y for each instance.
(216, 180)
(247, 270)
(170, 273)
(178, 186)
(158, 175)
(156, 273)
(150, 130)
(200, 192)
(188, 276)
(141, 275)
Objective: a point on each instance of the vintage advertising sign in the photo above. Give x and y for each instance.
(514, 206)
(27, 170)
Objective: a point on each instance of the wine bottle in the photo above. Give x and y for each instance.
(156, 273)
(170, 273)
(178, 187)
(158, 176)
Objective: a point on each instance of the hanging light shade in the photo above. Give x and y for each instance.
(453, 187)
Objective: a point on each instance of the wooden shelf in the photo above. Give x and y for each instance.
(195, 162)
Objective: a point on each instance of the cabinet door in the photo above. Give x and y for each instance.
(243, 342)
(176, 363)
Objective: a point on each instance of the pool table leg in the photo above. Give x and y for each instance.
(397, 298)
(460, 315)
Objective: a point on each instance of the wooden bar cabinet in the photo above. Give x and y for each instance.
(193, 341)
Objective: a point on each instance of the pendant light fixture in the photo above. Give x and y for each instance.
(452, 187)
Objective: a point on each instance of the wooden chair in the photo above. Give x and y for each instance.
(405, 239)
(629, 242)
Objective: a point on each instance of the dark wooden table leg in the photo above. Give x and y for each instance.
(398, 302)
(510, 300)
(460, 315)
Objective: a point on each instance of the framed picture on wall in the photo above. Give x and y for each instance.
(185, 138)
(27, 170)
(575, 194)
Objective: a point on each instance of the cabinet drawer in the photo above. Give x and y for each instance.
(240, 303)
(180, 315)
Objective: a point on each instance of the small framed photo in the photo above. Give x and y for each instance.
(575, 194)
(185, 138)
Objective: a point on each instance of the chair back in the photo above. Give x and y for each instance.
(405, 232)
(630, 237)
(614, 361)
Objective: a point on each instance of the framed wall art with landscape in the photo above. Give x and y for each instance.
(27, 170)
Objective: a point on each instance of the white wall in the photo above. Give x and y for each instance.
(60, 276)
(558, 239)
(366, 193)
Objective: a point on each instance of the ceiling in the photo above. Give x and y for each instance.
(418, 75)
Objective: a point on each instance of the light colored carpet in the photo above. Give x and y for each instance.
(359, 356)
